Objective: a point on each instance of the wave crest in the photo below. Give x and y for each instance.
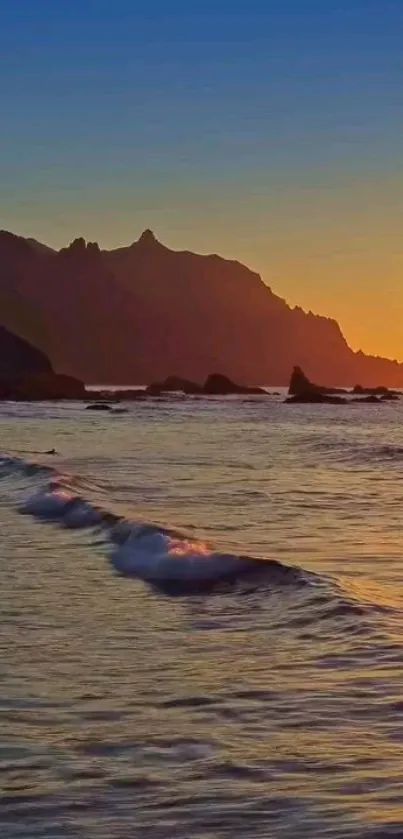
(161, 557)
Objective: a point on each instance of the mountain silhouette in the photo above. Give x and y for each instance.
(140, 313)
(19, 358)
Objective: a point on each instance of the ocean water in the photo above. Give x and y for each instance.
(201, 621)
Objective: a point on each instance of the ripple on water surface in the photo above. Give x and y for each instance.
(272, 708)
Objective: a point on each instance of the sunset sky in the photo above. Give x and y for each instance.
(269, 132)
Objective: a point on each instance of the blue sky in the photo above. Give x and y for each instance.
(270, 132)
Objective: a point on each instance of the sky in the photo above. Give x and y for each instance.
(270, 132)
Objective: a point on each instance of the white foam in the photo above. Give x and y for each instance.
(159, 558)
(47, 504)
(143, 551)
(156, 555)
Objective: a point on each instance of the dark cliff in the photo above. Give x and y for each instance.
(19, 358)
(140, 313)
(26, 373)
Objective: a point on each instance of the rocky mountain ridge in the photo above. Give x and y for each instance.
(135, 314)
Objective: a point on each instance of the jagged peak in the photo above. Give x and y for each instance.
(148, 237)
(77, 245)
(80, 246)
(93, 247)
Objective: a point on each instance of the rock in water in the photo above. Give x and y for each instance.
(173, 384)
(219, 385)
(315, 398)
(300, 385)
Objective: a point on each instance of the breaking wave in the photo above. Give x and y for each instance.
(163, 558)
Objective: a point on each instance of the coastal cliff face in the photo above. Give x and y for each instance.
(18, 357)
(140, 313)
(27, 373)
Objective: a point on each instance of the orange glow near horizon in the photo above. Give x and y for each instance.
(332, 247)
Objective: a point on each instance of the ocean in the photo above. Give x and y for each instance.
(201, 621)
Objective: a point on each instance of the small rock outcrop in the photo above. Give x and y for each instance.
(381, 390)
(52, 386)
(174, 384)
(302, 390)
(300, 385)
(390, 397)
(315, 398)
(216, 384)
(219, 385)
(368, 400)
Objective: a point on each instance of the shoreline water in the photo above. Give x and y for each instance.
(261, 708)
